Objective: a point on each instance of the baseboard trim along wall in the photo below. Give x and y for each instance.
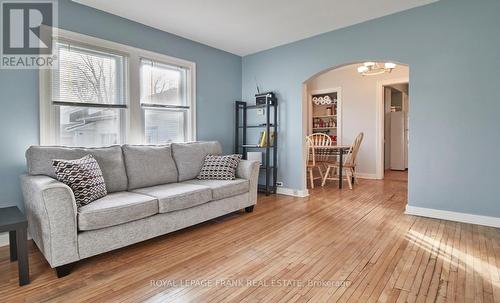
(452, 216)
(367, 176)
(292, 192)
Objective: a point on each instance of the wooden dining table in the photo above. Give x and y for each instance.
(334, 150)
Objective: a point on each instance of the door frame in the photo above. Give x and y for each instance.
(307, 120)
(381, 121)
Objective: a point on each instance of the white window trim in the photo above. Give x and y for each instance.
(134, 128)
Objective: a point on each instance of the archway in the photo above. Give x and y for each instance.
(361, 108)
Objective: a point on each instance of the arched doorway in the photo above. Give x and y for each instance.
(362, 105)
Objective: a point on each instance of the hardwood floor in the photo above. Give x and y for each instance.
(335, 246)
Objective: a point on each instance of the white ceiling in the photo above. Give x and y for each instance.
(245, 27)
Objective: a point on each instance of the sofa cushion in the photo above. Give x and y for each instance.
(116, 208)
(149, 165)
(176, 196)
(189, 157)
(83, 176)
(219, 167)
(223, 188)
(110, 159)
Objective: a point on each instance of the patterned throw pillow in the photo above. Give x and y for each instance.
(219, 167)
(83, 176)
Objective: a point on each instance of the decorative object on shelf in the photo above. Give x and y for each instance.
(263, 139)
(329, 111)
(322, 100)
(261, 99)
(325, 119)
(319, 123)
(255, 156)
(373, 68)
(268, 145)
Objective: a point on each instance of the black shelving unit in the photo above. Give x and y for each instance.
(269, 103)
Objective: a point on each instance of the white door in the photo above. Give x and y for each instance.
(398, 140)
(387, 128)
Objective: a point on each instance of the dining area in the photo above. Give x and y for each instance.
(328, 161)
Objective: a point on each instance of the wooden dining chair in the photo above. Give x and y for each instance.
(320, 139)
(322, 156)
(349, 165)
(312, 163)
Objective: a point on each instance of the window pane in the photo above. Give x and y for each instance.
(162, 84)
(89, 76)
(89, 127)
(163, 126)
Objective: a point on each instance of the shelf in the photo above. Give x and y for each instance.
(254, 146)
(259, 106)
(325, 116)
(243, 127)
(319, 128)
(263, 167)
(258, 126)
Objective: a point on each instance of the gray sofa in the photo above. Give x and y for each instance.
(152, 190)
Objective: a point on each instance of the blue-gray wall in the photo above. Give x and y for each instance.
(218, 85)
(453, 50)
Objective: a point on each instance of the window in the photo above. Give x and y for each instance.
(88, 96)
(164, 100)
(105, 93)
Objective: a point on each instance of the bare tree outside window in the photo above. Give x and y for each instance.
(95, 85)
(94, 81)
(160, 84)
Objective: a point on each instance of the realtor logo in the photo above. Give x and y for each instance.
(27, 30)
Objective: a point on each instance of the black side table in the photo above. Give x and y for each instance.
(13, 221)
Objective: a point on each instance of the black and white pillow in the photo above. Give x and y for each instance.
(83, 176)
(219, 167)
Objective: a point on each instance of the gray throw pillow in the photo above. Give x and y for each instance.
(219, 167)
(83, 176)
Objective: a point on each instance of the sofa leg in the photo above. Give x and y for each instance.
(249, 209)
(64, 270)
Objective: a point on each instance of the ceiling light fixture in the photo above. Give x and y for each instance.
(373, 68)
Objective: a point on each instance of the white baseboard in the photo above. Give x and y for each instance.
(367, 176)
(453, 216)
(292, 192)
(305, 193)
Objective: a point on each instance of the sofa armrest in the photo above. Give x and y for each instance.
(51, 211)
(249, 170)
